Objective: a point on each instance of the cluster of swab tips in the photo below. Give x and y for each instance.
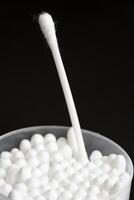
(45, 168)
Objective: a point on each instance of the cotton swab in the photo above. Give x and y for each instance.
(48, 29)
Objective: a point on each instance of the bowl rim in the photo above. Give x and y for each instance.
(98, 135)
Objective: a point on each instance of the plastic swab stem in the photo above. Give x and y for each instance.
(72, 141)
(48, 29)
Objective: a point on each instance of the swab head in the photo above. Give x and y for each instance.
(47, 26)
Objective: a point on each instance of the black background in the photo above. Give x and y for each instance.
(97, 46)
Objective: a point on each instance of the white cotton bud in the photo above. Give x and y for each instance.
(60, 190)
(76, 166)
(5, 155)
(65, 183)
(17, 155)
(33, 183)
(15, 195)
(14, 150)
(5, 163)
(125, 176)
(57, 167)
(92, 197)
(44, 167)
(94, 190)
(69, 171)
(67, 195)
(39, 147)
(109, 183)
(28, 198)
(81, 193)
(6, 189)
(36, 173)
(37, 139)
(76, 197)
(104, 159)
(97, 172)
(84, 172)
(98, 162)
(105, 168)
(77, 178)
(103, 195)
(111, 158)
(101, 179)
(72, 187)
(85, 185)
(119, 163)
(71, 161)
(21, 187)
(52, 147)
(2, 182)
(56, 157)
(64, 164)
(25, 145)
(54, 184)
(2, 173)
(31, 153)
(91, 177)
(40, 197)
(44, 187)
(44, 179)
(114, 172)
(49, 138)
(83, 161)
(43, 157)
(12, 174)
(95, 155)
(20, 162)
(117, 187)
(32, 162)
(90, 166)
(62, 141)
(51, 194)
(24, 174)
(66, 151)
(60, 176)
(34, 192)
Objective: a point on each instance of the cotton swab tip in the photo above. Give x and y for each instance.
(47, 26)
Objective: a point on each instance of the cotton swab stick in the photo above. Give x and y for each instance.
(48, 29)
(72, 142)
